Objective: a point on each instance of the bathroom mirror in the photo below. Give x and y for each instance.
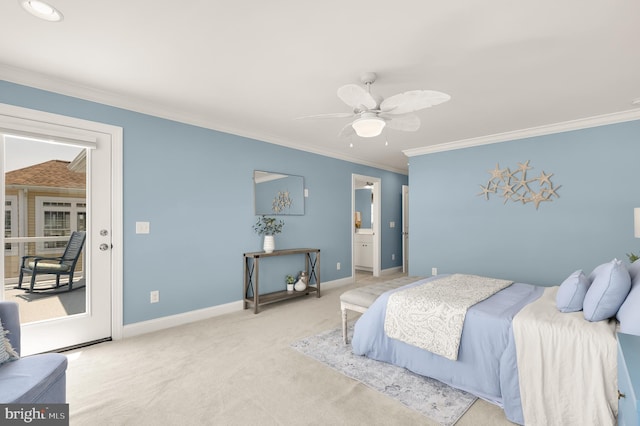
(364, 208)
(278, 193)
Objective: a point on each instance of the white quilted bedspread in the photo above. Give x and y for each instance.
(566, 366)
(431, 315)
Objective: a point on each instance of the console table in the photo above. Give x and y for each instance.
(251, 269)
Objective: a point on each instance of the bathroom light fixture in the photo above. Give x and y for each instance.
(41, 10)
(368, 125)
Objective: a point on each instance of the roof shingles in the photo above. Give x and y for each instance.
(53, 173)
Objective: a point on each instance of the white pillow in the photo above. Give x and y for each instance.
(572, 291)
(609, 288)
(7, 353)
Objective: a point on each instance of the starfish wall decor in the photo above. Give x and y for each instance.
(281, 201)
(515, 186)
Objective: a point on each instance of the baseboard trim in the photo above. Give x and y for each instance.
(336, 283)
(144, 327)
(131, 330)
(391, 271)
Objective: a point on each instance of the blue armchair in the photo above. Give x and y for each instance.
(35, 379)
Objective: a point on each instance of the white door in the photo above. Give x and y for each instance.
(405, 229)
(57, 179)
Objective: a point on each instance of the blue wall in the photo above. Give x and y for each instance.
(195, 187)
(455, 230)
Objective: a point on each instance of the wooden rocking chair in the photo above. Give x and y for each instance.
(63, 265)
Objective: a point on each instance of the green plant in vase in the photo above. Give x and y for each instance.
(290, 282)
(268, 226)
(632, 257)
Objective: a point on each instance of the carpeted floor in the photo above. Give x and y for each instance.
(439, 402)
(235, 369)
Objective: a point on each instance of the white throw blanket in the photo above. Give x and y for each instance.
(431, 315)
(566, 366)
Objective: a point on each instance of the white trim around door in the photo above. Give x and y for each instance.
(29, 121)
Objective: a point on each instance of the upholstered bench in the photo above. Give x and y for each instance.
(359, 299)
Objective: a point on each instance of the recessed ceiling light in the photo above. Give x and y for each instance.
(41, 10)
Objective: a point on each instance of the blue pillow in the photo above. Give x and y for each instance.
(609, 288)
(572, 292)
(629, 312)
(596, 271)
(634, 269)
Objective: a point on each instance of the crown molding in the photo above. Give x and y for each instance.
(64, 87)
(583, 123)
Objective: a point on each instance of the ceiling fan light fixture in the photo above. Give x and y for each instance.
(368, 126)
(42, 10)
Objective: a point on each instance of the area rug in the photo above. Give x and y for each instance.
(435, 400)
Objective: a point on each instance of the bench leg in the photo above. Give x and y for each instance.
(345, 338)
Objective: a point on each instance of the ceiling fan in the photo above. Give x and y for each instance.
(373, 113)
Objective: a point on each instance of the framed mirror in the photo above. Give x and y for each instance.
(278, 193)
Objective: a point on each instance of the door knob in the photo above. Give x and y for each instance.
(104, 247)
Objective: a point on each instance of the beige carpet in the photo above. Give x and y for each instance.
(236, 369)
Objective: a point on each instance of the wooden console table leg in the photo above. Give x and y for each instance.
(245, 284)
(256, 291)
(317, 268)
(313, 270)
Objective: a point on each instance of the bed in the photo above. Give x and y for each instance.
(488, 358)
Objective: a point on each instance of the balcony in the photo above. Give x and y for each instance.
(45, 305)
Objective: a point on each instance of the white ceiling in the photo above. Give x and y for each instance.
(252, 67)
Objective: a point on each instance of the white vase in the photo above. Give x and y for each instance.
(269, 244)
(289, 288)
(300, 285)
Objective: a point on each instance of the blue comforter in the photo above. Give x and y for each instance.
(486, 365)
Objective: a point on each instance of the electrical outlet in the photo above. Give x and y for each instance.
(392, 224)
(338, 266)
(434, 271)
(393, 256)
(154, 296)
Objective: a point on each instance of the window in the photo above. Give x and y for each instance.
(58, 217)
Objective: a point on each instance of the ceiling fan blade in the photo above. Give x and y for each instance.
(406, 123)
(413, 100)
(346, 131)
(329, 115)
(356, 97)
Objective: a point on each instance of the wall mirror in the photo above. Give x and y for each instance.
(364, 219)
(278, 193)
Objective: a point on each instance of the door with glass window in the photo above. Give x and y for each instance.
(53, 186)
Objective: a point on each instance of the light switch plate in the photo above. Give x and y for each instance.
(142, 227)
